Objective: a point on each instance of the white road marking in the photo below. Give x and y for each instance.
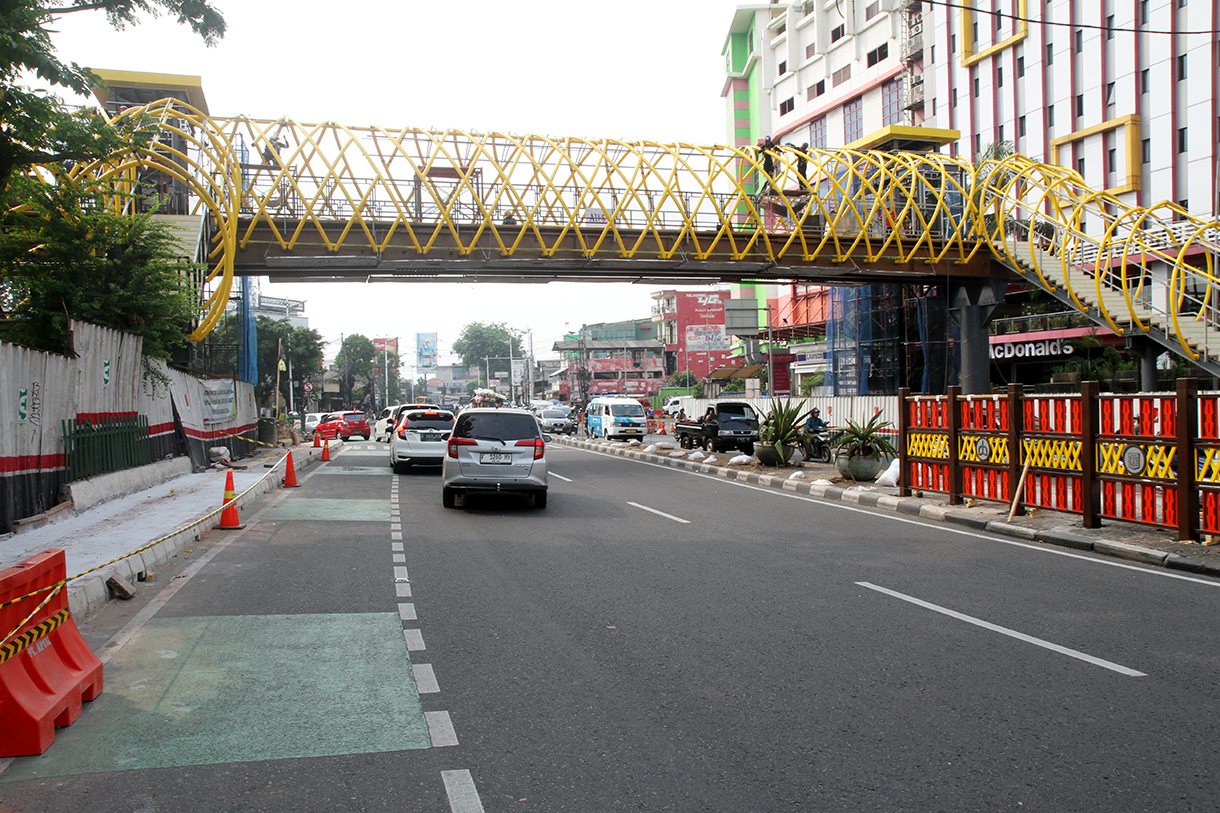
(1020, 636)
(396, 547)
(399, 557)
(560, 477)
(414, 639)
(945, 527)
(406, 612)
(440, 729)
(395, 534)
(425, 678)
(400, 574)
(463, 797)
(403, 589)
(660, 513)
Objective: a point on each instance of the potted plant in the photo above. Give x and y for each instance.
(779, 434)
(861, 450)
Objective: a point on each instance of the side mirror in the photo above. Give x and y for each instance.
(546, 437)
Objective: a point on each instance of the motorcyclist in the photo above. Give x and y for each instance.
(814, 428)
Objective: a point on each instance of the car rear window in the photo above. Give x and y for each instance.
(496, 426)
(554, 413)
(353, 417)
(429, 419)
(627, 410)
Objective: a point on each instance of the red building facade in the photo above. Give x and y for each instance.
(691, 329)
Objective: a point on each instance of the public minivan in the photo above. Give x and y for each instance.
(617, 418)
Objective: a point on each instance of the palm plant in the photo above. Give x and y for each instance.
(863, 440)
(782, 427)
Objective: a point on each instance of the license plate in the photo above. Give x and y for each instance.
(429, 438)
(631, 431)
(495, 457)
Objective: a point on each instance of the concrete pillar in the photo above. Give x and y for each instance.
(972, 302)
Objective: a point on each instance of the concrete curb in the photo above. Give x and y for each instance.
(1061, 537)
(90, 592)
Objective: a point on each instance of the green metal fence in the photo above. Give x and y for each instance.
(104, 444)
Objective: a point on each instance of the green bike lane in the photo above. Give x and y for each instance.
(287, 642)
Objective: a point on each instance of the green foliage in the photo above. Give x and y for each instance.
(302, 353)
(64, 256)
(685, 380)
(354, 364)
(734, 385)
(37, 128)
(863, 440)
(478, 341)
(782, 426)
(813, 380)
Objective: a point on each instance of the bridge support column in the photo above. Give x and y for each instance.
(1148, 352)
(972, 303)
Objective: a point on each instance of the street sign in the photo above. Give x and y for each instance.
(307, 386)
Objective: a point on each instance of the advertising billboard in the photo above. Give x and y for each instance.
(386, 345)
(425, 351)
(700, 338)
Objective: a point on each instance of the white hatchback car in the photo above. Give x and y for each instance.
(419, 437)
(495, 450)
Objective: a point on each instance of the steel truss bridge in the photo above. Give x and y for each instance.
(330, 202)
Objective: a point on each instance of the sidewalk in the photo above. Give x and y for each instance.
(106, 531)
(1125, 540)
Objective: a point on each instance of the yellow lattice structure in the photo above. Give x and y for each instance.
(968, 449)
(413, 194)
(1053, 454)
(1158, 460)
(928, 445)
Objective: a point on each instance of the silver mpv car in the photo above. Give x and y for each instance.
(419, 437)
(495, 450)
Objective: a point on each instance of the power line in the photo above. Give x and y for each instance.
(1002, 14)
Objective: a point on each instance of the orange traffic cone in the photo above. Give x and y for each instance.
(662, 432)
(290, 475)
(229, 521)
(326, 452)
(317, 439)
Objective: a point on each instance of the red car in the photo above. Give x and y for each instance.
(344, 425)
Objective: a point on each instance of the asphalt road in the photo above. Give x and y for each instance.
(653, 640)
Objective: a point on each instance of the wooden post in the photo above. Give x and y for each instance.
(1188, 460)
(1016, 432)
(1090, 491)
(955, 468)
(904, 426)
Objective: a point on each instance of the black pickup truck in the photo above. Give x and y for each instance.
(733, 425)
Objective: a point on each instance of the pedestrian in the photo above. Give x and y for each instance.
(681, 415)
(802, 162)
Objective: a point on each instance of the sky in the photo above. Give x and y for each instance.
(631, 69)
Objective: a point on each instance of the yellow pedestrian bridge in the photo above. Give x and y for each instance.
(325, 201)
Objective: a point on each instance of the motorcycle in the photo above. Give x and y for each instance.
(817, 446)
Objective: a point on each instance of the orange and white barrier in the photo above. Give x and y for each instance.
(46, 669)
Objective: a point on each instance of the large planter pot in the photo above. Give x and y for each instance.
(860, 469)
(768, 456)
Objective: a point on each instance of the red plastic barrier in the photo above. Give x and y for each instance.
(46, 669)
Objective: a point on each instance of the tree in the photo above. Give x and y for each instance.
(37, 128)
(65, 256)
(302, 353)
(354, 364)
(478, 341)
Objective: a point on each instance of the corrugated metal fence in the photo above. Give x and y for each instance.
(105, 384)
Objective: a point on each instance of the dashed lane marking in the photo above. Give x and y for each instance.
(463, 796)
(415, 640)
(440, 729)
(1020, 636)
(406, 611)
(425, 678)
(559, 477)
(659, 513)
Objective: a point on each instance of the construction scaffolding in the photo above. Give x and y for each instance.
(886, 337)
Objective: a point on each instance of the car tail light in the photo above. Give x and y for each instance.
(539, 446)
(456, 442)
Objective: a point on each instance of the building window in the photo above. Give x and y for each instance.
(953, 43)
(1080, 166)
(816, 90)
(999, 21)
(879, 53)
(1181, 67)
(1181, 139)
(1079, 42)
(999, 77)
(1143, 12)
(1020, 66)
(1050, 54)
(1112, 160)
(787, 106)
(1050, 115)
(872, 10)
(1110, 27)
(976, 87)
(817, 132)
(1021, 127)
(954, 105)
(1146, 151)
(1144, 81)
(891, 102)
(1109, 94)
(933, 53)
(1079, 105)
(838, 32)
(840, 76)
(811, 50)
(783, 68)
(853, 120)
(978, 145)
(999, 134)
(974, 32)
